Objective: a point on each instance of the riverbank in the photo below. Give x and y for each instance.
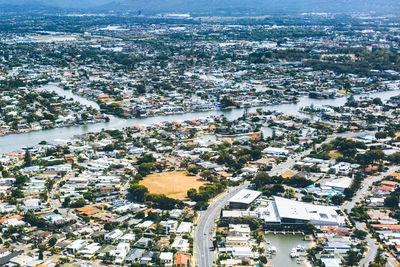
(15, 142)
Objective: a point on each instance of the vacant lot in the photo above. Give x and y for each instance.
(173, 184)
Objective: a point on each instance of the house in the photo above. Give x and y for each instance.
(169, 226)
(239, 230)
(143, 242)
(184, 228)
(236, 241)
(180, 244)
(89, 251)
(127, 238)
(167, 258)
(338, 244)
(113, 235)
(121, 252)
(134, 255)
(182, 260)
(175, 213)
(149, 257)
(77, 245)
(32, 205)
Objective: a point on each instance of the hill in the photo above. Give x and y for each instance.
(212, 7)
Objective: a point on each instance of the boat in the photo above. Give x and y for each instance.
(300, 248)
(273, 250)
(294, 253)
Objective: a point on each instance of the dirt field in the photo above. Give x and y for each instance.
(288, 174)
(173, 184)
(334, 154)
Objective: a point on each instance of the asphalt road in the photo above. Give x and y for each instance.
(365, 188)
(371, 243)
(204, 256)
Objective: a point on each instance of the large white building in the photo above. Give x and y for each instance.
(287, 212)
(276, 151)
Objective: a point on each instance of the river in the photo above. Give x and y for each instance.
(13, 142)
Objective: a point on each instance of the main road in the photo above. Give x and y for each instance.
(204, 255)
(371, 243)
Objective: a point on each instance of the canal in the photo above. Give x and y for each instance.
(14, 142)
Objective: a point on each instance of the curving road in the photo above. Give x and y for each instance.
(372, 246)
(204, 256)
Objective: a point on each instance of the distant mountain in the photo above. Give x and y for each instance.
(221, 6)
(73, 4)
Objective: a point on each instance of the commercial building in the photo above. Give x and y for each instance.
(243, 199)
(287, 212)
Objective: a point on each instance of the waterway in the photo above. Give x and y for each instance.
(284, 245)
(15, 142)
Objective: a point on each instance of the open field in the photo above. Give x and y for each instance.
(288, 174)
(173, 184)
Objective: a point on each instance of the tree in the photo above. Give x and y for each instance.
(394, 158)
(337, 200)
(360, 234)
(162, 201)
(79, 203)
(201, 205)
(206, 174)
(145, 168)
(193, 170)
(352, 258)
(67, 202)
(226, 102)
(192, 193)
(138, 192)
(141, 89)
(377, 101)
(27, 158)
(379, 261)
(380, 135)
(52, 241)
(17, 193)
(277, 188)
(146, 158)
(33, 220)
(392, 201)
(108, 258)
(307, 198)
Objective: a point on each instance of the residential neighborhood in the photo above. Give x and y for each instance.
(180, 140)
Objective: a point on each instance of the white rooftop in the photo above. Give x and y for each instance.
(245, 196)
(317, 214)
